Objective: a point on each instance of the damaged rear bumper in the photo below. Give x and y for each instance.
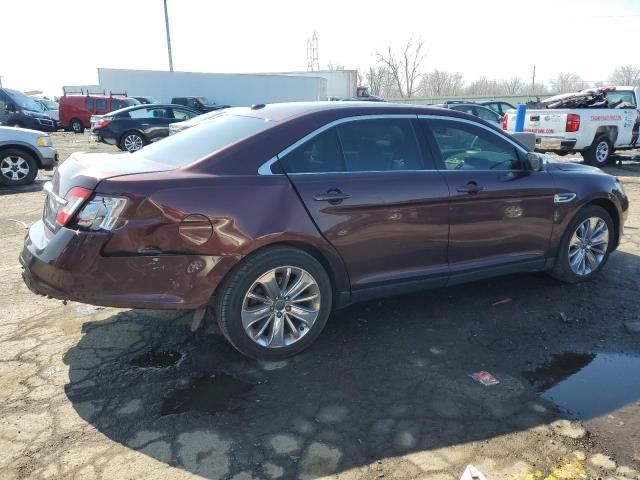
(69, 265)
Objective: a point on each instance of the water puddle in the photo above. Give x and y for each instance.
(588, 385)
(156, 359)
(207, 394)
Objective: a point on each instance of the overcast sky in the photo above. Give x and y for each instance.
(49, 43)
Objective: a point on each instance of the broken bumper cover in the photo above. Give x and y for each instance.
(69, 265)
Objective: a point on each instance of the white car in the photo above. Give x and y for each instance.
(179, 126)
(22, 153)
(593, 122)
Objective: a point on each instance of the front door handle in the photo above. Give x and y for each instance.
(332, 196)
(471, 187)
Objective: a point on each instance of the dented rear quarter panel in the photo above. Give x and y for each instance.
(246, 213)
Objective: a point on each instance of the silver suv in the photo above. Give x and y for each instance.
(22, 153)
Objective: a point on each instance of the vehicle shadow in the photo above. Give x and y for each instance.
(36, 186)
(386, 379)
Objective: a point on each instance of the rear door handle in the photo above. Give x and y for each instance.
(470, 187)
(332, 196)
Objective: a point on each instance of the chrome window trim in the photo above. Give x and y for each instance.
(265, 168)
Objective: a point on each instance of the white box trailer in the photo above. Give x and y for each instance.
(235, 89)
(340, 83)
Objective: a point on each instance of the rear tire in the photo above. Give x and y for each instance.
(76, 126)
(562, 270)
(131, 142)
(235, 294)
(17, 167)
(599, 153)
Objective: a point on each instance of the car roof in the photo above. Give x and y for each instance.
(287, 111)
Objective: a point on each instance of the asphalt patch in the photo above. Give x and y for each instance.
(210, 394)
(156, 359)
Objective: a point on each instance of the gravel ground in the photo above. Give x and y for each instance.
(385, 393)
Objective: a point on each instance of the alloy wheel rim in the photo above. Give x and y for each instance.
(588, 246)
(602, 152)
(132, 143)
(14, 167)
(281, 307)
(76, 126)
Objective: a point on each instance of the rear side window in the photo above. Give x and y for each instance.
(101, 104)
(141, 113)
(464, 146)
(88, 104)
(376, 145)
(319, 154)
(379, 145)
(203, 139)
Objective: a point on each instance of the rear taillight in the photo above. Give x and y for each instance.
(103, 122)
(73, 200)
(101, 213)
(505, 119)
(573, 122)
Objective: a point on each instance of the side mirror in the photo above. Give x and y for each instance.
(536, 161)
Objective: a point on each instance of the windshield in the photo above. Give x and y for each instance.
(23, 102)
(203, 139)
(205, 101)
(49, 104)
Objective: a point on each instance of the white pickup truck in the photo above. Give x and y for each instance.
(593, 122)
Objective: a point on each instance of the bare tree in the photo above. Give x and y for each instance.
(513, 86)
(405, 67)
(567, 82)
(626, 75)
(484, 87)
(440, 84)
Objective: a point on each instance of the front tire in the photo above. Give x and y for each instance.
(585, 246)
(599, 154)
(17, 167)
(275, 304)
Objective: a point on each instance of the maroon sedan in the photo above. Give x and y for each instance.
(275, 215)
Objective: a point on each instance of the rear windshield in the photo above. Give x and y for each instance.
(204, 139)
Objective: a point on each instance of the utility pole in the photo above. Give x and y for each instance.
(166, 21)
(533, 80)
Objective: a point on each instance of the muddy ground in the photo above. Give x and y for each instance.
(385, 392)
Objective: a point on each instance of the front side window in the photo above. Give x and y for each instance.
(101, 104)
(464, 146)
(116, 105)
(88, 104)
(181, 114)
